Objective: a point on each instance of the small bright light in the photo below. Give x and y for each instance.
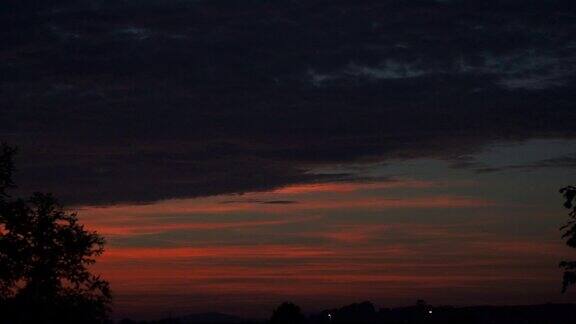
(429, 312)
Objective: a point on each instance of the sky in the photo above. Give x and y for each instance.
(236, 154)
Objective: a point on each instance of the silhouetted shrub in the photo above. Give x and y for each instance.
(569, 233)
(287, 313)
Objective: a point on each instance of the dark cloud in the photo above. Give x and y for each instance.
(116, 101)
(264, 202)
(280, 202)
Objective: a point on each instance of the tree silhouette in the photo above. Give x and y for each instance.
(44, 259)
(287, 313)
(569, 233)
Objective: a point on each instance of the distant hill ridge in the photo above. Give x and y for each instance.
(209, 318)
(421, 313)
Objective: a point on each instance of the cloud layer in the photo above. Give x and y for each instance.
(115, 101)
(330, 247)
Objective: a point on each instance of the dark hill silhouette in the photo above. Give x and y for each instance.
(532, 314)
(421, 313)
(364, 312)
(199, 318)
(211, 317)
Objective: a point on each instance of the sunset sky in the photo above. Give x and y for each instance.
(236, 154)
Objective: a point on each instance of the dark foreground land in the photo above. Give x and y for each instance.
(421, 313)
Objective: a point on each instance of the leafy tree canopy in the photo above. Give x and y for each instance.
(44, 258)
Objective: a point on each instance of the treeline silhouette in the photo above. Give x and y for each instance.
(420, 313)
